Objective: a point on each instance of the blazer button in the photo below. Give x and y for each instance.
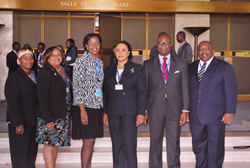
(199, 92)
(199, 101)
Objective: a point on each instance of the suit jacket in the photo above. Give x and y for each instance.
(132, 99)
(72, 55)
(215, 95)
(21, 96)
(176, 88)
(185, 53)
(51, 89)
(11, 61)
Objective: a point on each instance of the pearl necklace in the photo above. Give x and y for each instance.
(59, 69)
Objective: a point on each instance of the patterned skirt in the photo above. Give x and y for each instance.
(57, 137)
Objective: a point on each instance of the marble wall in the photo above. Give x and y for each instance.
(6, 40)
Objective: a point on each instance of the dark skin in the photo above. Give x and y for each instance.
(26, 63)
(206, 52)
(16, 47)
(40, 48)
(180, 38)
(164, 50)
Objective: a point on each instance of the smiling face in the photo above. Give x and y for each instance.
(122, 52)
(26, 61)
(205, 51)
(93, 45)
(163, 45)
(56, 58)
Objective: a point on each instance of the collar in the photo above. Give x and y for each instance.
(202, 62)
(183, 43)
(161, 58)
(14, 51)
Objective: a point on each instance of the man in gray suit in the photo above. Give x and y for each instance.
(185, 51)
(168, 102)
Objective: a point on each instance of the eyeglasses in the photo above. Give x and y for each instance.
(165, 43)
(96, 43)
(58, 55)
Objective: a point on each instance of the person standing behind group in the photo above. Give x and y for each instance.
(22, 103)
(125, 97)
(11, 58)
(54, 95)
(71, 54)
(185, 50)
(41, 50)
(213, 99)
(87, 90)
(168, 102)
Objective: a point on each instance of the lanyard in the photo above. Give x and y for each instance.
(164, 72)
(119, 76)
(34, 77)
(97, 68)
(65, 79)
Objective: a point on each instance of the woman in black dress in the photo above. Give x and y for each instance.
(87, 89)
(53, 85)
(125, 99)
(22, 104)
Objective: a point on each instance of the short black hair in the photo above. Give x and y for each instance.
(165, 34)
(72, 42)
(130, 56)
(182, 33)
(88, 36)
(41, 44)
(15, 43)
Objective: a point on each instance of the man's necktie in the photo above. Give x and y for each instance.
(164, 69)
(202, 71)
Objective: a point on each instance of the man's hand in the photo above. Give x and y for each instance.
(183, 118)
(227, 118)
(146, 119)
(105, 119)
(139, 120)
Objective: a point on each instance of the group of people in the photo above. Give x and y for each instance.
(166, 92)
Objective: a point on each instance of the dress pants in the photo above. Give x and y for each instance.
(173, 131)
(23, 148)
(208, 144)
(123, 132)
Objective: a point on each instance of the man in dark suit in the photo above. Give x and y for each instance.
(41, 50)
(213, 98)
(11, 58)
(185, 50)
(168, 102)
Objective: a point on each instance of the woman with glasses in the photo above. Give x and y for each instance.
(22, 103)
(87, 90)
(53, 85)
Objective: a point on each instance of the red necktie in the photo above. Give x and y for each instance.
(164, 69)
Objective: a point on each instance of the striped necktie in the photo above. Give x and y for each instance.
(202, 71)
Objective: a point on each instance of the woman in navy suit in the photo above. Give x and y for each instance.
(124, 105)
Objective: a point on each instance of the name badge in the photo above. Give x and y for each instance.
(67, 90)
(118, 87)
(98, 92)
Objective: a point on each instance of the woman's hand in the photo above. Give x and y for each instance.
(140, 120)
(50, 125)
(84, 117)
(105, 119)
(20, 129)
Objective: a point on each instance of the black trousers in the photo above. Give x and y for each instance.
(123, 132)
(23, 148)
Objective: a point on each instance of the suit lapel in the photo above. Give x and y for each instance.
(157, 67)
(126, 73)
(172, 69)
(210, 70)
(25, 77)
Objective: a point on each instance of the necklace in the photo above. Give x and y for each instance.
(59, 69)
